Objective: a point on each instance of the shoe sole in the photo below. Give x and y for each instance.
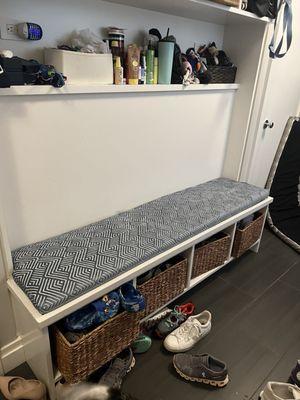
(175, 351)
(186, 348)
(132, 365)
(202, 380)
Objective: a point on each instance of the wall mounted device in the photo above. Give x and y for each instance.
(30, 31)
(11, 29)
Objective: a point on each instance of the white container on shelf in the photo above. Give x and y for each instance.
(81, 68)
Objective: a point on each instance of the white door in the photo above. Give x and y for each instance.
(281, 101)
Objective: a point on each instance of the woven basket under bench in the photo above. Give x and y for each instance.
(164, 287)
(211, 254)
(78, 360)
(245, 238)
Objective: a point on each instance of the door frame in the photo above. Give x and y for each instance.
(256, 112)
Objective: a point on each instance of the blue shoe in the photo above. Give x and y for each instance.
(94, 313)
(131, 299)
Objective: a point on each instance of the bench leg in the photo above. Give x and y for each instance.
(256, 246)
(36, 346)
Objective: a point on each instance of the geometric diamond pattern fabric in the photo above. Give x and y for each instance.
(57, 270)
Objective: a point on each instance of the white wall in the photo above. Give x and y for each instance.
(46, 141)
(70, 160)
(60, 17)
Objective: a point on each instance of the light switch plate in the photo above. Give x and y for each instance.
(8, 29)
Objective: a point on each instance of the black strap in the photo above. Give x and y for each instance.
(287, 30)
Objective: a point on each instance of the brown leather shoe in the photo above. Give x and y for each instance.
(16, 388)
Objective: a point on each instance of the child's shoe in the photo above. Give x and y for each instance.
(142, 344)
(174, 319)
(118, 369)
(151, 322)
(131, 299)
(94, 313)
(295, 375)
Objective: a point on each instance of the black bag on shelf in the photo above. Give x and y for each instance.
(17, 71)
(263, 8)
(4, 81)
(177, 69)
(272, 9)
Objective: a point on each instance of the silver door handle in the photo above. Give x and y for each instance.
(268, 124)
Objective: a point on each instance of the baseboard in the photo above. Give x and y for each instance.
(12, 355)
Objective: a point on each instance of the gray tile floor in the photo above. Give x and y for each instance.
(255, 304)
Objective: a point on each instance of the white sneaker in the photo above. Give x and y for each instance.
(280, 391)
(189, 333)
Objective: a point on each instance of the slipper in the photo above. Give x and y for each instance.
(16, 388)
(131, 298)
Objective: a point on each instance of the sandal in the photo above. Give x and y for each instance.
(16, 388)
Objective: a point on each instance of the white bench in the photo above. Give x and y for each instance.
(33, 326)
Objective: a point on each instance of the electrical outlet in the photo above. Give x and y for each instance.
(9, 29)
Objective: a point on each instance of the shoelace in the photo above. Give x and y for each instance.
(188, 330)
(177, 315)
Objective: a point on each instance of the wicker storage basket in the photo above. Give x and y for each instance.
(164, 287)
(222, 74)
(78, 360)
(245, 238)
(210, 255)
(231, 3)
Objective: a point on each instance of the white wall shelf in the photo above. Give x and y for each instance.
(101, 89)
(203, 10)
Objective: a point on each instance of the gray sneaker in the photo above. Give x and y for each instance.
(118, 369)
(201, 368)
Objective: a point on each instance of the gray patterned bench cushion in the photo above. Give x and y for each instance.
(57, 270)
